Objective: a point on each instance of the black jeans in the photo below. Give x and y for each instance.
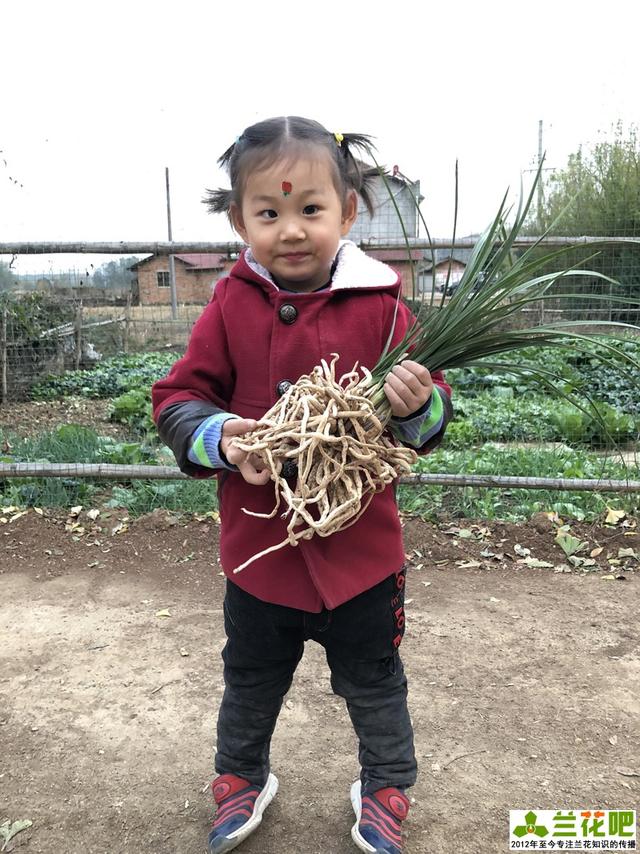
(265, 643)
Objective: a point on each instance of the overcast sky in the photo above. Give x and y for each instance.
(100, 97)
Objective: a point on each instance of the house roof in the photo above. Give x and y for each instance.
(442, 255)
(396, 175)
(397, 255)
(393, 176)
(194, 261)
(203, 260)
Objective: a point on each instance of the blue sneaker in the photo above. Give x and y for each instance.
(378, 820)
(240, 807)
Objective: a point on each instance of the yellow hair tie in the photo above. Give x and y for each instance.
(339, 138)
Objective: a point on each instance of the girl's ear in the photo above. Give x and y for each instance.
(349, 213)
(235, 215)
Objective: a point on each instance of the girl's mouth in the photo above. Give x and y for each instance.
(295, 256)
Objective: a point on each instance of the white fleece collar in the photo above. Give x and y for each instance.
(354, 269)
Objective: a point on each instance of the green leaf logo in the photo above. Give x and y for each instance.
(530, 827)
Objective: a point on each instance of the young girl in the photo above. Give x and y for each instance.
(299, 293)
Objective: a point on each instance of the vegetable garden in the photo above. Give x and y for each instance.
(503, 425)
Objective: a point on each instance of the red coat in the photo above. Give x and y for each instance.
(241, 348)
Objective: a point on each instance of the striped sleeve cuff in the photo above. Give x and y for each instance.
(205, 443)
(417, 431)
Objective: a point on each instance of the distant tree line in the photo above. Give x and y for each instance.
(110, 275)
(597, 193)
(7, 277)
(114, 274)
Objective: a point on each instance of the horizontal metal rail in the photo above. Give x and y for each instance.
(142, 247)
(146, 472)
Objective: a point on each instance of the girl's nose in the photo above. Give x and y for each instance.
(292, 229)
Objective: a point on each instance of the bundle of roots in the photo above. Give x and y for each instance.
(328, 430)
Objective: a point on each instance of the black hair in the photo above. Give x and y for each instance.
(269, 139)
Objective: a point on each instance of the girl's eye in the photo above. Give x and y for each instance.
(310, 209)
(268, 214)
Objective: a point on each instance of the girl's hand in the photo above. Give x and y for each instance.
(408, 386)
(251, 467)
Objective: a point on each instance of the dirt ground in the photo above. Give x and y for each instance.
(524, 687)
(33, 417)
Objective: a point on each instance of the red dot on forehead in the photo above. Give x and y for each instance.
(286, 187)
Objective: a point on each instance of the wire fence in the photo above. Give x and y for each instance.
(71, 324)
(54, 322)
(123, 473)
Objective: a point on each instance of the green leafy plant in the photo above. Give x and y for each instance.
(126, 453)
(569, 544)
(612, 426)
(535, 418)
(134, 409)
(72, 444)
(517, 504)
(569, 422)
(186, 496)
(577, 371)
(463, 433)
(109, 378)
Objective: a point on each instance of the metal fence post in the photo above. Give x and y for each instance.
(127, 325)
(78, 335)
(3, 356)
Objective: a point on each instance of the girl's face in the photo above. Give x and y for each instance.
(293, 218)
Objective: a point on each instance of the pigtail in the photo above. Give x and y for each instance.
(369, 179)
(218, 201)
(223, 160)
(356, 140)
(358, 175)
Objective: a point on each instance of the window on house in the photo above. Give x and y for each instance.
(164, 280)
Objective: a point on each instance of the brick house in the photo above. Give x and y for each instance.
(449, 266)
(196, 275)
(398, 259)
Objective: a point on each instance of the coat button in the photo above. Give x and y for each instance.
(288, 313)
(283, 387)
(289, 468)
